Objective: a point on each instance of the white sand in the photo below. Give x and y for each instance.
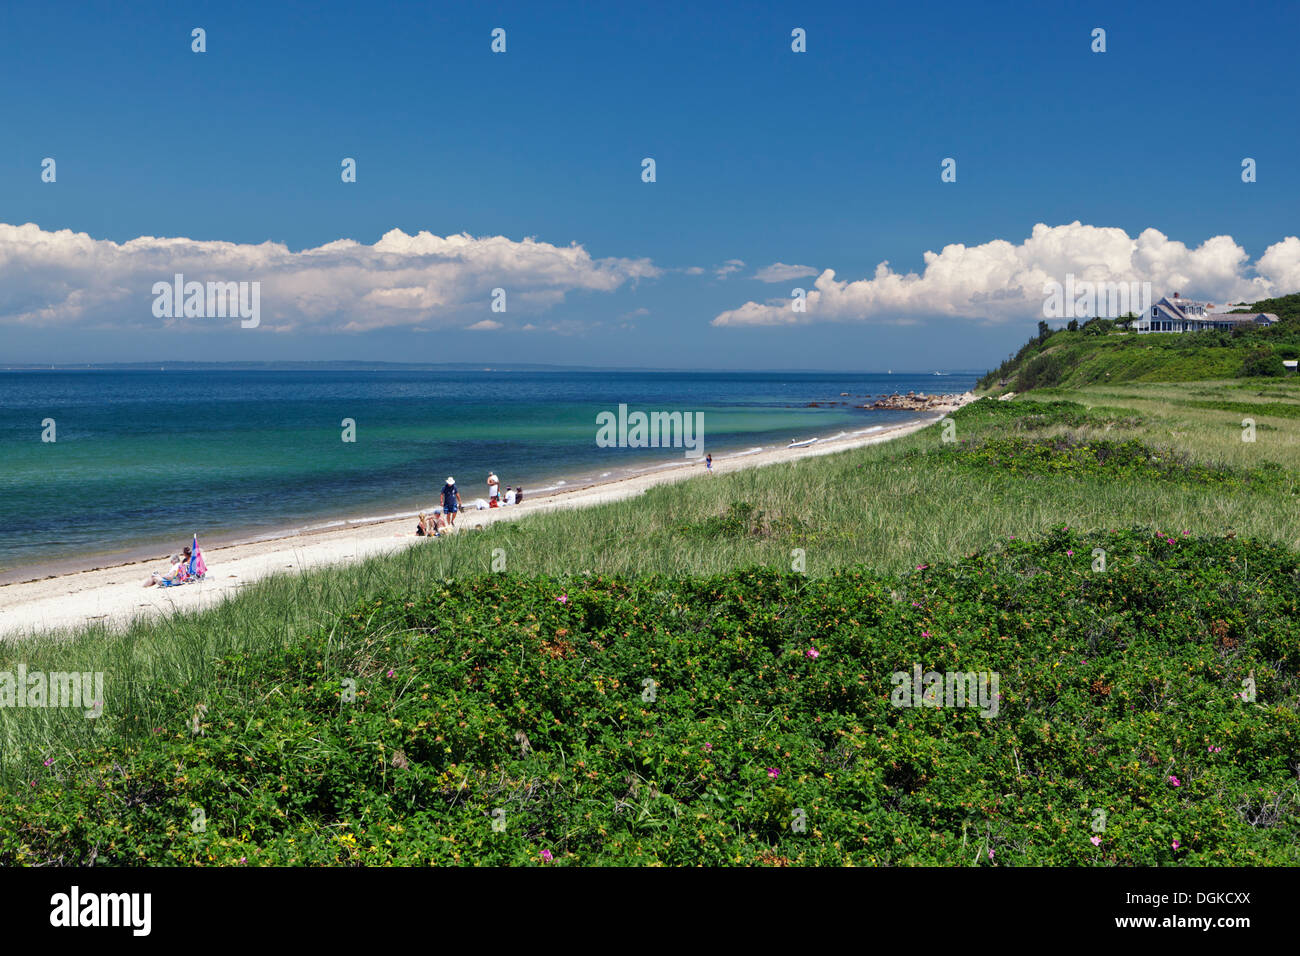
(115, 596)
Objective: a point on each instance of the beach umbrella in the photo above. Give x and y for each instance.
(197, 565)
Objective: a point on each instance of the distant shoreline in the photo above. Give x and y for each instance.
(152, 549)
(113, 594)
(359, 366)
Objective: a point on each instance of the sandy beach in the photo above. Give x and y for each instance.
(114, 595)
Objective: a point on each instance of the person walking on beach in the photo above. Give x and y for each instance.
(450, 500)
(708, 464)
(494, 490)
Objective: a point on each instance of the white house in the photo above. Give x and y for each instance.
(1176, 314)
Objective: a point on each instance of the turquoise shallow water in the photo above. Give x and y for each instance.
(147, 457)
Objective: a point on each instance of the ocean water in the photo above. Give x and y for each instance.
(144, 458)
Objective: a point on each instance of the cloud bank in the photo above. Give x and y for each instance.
(68, 279)
(999, 281)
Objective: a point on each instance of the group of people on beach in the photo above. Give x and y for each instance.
(175, 574)
(183, 568)
(433, 525)
(513, 496)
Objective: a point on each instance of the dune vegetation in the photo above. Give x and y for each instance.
(708, 673)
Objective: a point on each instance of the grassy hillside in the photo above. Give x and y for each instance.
(1097, 353)
(656, 680)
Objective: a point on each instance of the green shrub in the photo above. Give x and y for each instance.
(1043, 371)
(698, 721)
(1262, 362)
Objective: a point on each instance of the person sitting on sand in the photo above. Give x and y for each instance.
(175, 574)
(510, 496)
(450, 500)
(429, 526)
(519, 495)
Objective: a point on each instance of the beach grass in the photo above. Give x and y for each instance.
(1164, 458)
(890, 507)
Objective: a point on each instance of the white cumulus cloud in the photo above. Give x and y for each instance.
(1001, 281)
(68, 279)
(780, 272)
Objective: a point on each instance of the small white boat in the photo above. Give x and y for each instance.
(800, 444)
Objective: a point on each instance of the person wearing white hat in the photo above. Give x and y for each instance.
(450, 500)
(494, 490)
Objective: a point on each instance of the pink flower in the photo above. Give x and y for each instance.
(708, 747)
(1175, 844)
(990, 854)
(925, 633)
(1096, 841)
(1169, 540)
(243, 859)
(916, 604)
(811, 652)
(1185, 534)
(562, 599)
(773, 772)
(921, 567)
(546, 856)
(49, 761)
(390, 672)
(1175, 781)
(1069, 554)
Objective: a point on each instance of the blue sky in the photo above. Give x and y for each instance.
(828, 159)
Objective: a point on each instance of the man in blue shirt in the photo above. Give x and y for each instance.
(450, 500)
